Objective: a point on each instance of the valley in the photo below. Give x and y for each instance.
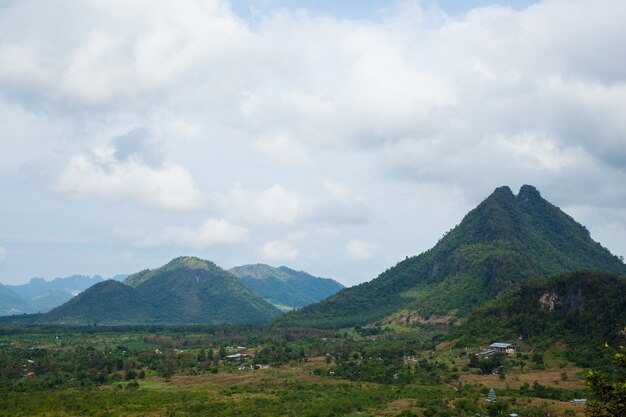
(172, 371)
(515, 311)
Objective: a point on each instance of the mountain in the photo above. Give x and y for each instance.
(503, 242)
(192, 290)
(11, 303)
(109, 302)
(72, 285)
(285, 287)
(47, 300)
(568, 308)
(186, 290)
(39, 295)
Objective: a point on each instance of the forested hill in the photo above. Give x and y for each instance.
(186, 290)
(285, 287)
(109, 302)
(583, 310)
(504, 241)
(192, 290)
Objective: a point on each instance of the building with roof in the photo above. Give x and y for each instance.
(500, 347)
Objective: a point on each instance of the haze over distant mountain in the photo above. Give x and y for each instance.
(40, 295)
(11, 303)
(186, 290)
(503, 242)
(285, 287)
(72, 285)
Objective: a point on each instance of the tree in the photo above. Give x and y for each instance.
(608, 399)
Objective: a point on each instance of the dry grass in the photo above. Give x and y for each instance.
(394, 408)
(554, 407)
(515, 379)
(224, 380)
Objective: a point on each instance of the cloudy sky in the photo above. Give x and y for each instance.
(334, 137)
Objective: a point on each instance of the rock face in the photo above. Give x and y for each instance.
(504, 241)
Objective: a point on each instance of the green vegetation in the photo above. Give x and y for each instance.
(106, 302)
(609, 397)
(393, 349)
(582, 310)
(186, 371)
(284, 286)
(186, 290)
(503, 242)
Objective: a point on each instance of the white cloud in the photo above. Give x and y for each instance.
(3, 254)
(385, 108)
(211, 232)
(119, 50)
(278, 251)
(282, 147)
(360, 250)
(336, 189)
(102, 175)
(272, 206)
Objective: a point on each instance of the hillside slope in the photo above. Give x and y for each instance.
(504, 241)
(186, 290)
(107, 302)
(581, 309)
(191, 290)
(284, 286)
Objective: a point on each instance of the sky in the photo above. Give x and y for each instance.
(333, 137)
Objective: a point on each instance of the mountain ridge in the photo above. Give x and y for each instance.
(504, 241)
(185, 290)
(284, 286)
(41, 295)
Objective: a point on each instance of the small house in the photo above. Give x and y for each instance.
(500, 347)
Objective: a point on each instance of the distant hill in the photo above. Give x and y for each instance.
(11, 303)
(49, 299)
(72, 285)
(581, 309)
(285, 287)
(40, 295)
(186, 290)
(503, 242)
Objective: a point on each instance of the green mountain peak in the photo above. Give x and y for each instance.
(503, 242)
(182, 262)
(185, 290)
